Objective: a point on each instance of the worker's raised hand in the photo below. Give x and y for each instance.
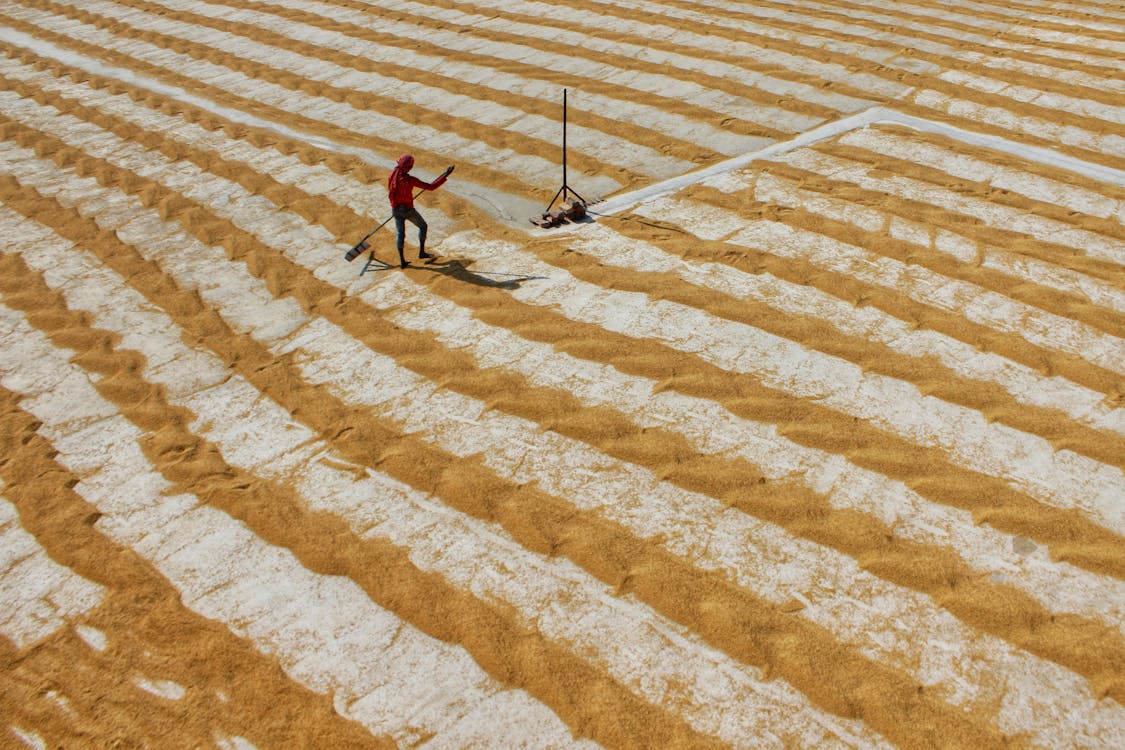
(448, 171)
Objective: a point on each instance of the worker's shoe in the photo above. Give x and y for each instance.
(423, 255)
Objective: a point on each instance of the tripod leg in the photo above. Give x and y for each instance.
(552, 203)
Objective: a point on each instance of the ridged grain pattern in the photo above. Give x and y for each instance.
(825, 449)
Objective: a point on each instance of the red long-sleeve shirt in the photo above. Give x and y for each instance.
(401, 192)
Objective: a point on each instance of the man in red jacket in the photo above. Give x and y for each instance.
(400, 187)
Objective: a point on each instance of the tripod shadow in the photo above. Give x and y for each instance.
(456, 269)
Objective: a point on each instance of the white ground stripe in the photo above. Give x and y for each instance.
(1050, 584)
(507, 207)
(909, 42)
(989, 40)
(901, 22)
(699, 19)
(1030, 463)
(700, 529)
(1109, 144)
(362, 198)
(783, 192)
(875, 85)
(1022, 14)
(504, 452)
(1023, 383)
(873, 116)
(1059, 132)
(1026, 384)
(640, 159)
(996, 84)
(1061, 478)
(1078, 199)
(1106, 491)
(37, 595)
(1050, 36)
(889, 57)
(468, 443)
(326, 633)
(1105, 8)
(713, 430)
(661, 661)
(351, 194)
(1038, 97)
(982, 306)
(991, 214)
(781, 119)
(233, 743)
(315, 179)
(971, 20)
(890, 54)
(1067, 56)
(532, 169)
(29, 738)
(1057, 591)
(650, 117)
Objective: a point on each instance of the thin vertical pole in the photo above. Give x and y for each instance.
(565, 189)
(564, 145)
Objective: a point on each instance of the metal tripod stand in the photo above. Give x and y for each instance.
(565, 190)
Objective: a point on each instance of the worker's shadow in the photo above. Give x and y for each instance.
(455, 269)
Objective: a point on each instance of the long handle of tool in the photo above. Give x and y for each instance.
(376, 229)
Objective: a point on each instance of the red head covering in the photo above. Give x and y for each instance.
(402, 168)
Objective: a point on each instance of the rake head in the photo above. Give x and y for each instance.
(357, 249)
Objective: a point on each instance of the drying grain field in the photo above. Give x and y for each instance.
(813, 438)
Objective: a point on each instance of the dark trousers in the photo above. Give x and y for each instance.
(404, 213)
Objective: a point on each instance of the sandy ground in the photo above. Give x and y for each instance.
(813, 437)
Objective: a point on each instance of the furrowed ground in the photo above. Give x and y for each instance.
(814, 437)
